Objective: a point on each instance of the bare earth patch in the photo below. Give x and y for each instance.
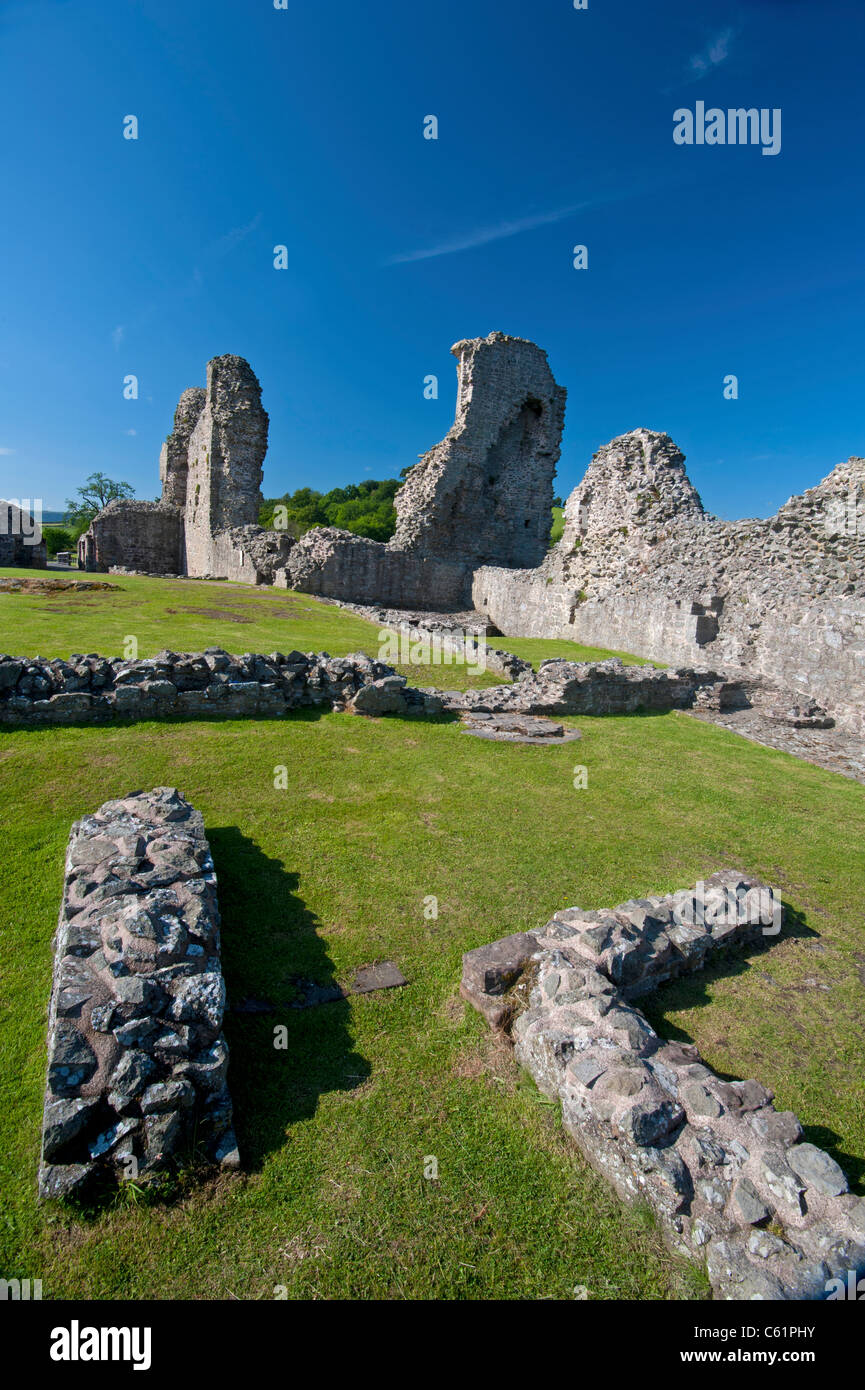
(52, 586)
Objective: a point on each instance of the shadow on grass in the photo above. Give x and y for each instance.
(694, 991)
(269, 940)
(303, 714)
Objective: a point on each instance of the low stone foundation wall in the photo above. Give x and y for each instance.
(727, 1175)
(603, 687)
(136, 1057)
(94, 689)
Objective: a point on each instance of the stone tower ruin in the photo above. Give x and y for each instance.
(206, 522)
(486, 491)
(224, 458)
(481, 496)
(174, 460)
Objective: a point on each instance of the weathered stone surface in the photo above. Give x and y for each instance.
(514, 728)
(136, 1056)
(336, 564)
(481, 496)
(210, 468)
(382, 975)
(712, 1158)
(141, 536)
(817, 1169)
(749, 1203)
(94, 689)
(22, 545)
(382, 696)
(485, 492)
(642, 567)
(226, 451)
(588, 687)
(174, 458)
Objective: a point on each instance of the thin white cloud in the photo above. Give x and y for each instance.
(130, 431)
(226, 243)
(117, 335)
(716, 52)
(7, 451)
(482, 236)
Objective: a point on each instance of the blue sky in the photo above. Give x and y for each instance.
(304, 127)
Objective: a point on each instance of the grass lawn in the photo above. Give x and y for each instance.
(335, 1132)
(187, 615)
(332, 874)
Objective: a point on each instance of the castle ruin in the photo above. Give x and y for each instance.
(641, 565)
(483, 496)
(206, 522)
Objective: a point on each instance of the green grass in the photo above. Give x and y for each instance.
(188, 615)
(537, 649)
(332, 874)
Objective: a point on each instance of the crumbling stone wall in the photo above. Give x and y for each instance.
(643, 568)
(481, 496)
(174, 458)
(145, 536)
(226, 451)
(22, 545)
(206, 523)
(249, 554)
(485, 492)
(337, 564)
(95, 689)
(603, 687)
(727, 1175)
(136, 1056)
(210, 684)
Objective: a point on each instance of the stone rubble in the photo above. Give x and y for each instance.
(601, 687)
(96, 689)
(729, 1178)
(518, 728)
(136, 1056)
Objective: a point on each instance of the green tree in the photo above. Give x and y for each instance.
(97, 492)
(57, 538)
(365, 509)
